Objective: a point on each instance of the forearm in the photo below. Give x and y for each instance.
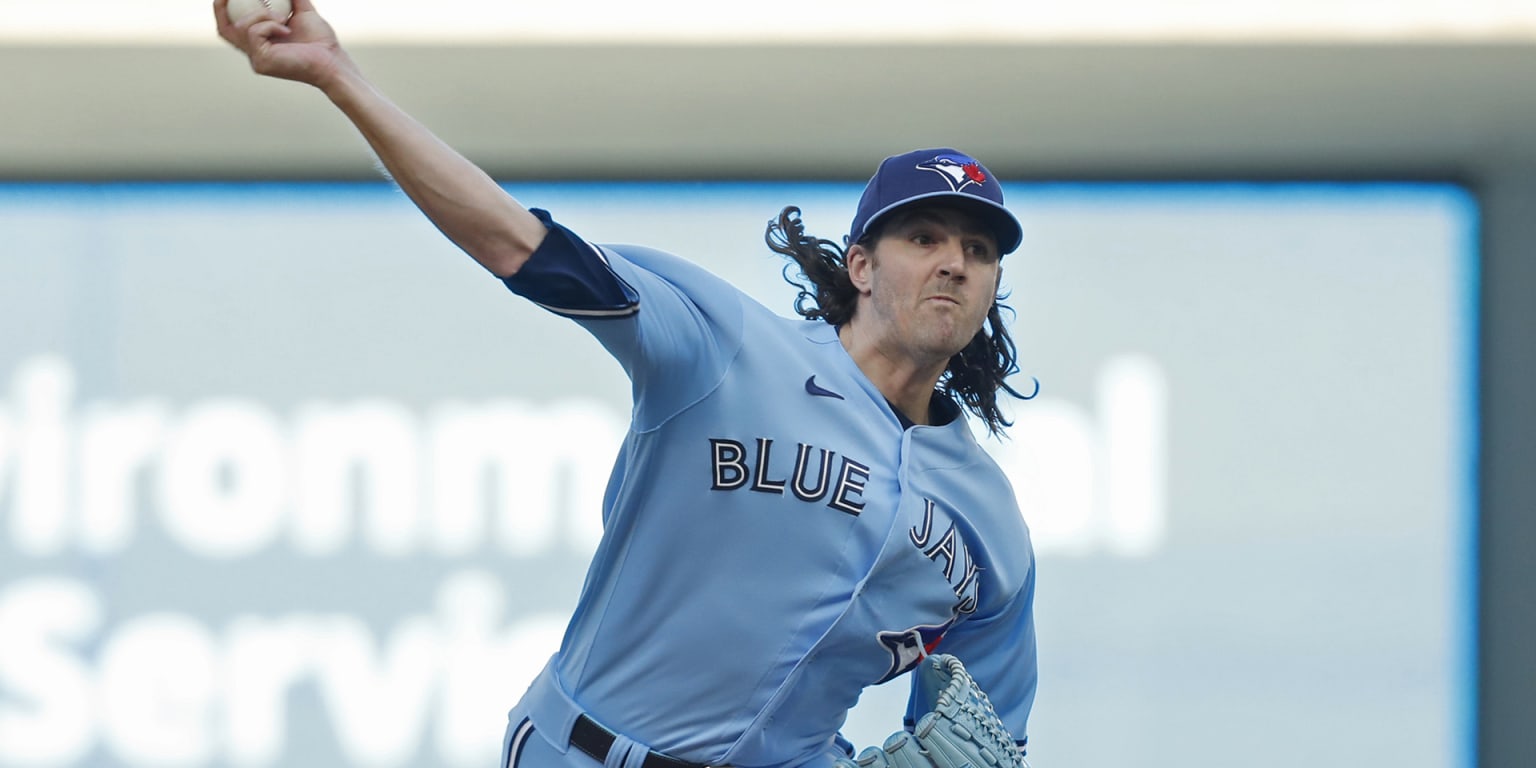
(465, 203)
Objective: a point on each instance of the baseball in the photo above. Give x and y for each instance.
(239, 9)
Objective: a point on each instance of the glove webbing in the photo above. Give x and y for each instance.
(961, 699)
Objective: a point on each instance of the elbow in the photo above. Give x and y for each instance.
(504, 256)
(502, 264)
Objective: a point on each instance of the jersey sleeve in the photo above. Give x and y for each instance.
(673, 326)
(571, 277)
(998, 651)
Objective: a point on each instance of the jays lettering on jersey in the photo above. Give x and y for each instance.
(774, 539)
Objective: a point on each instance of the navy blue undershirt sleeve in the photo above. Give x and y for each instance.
(570, 277)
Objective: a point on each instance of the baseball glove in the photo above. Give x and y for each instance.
(961, 730)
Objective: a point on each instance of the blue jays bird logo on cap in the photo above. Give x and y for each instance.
(960, 171)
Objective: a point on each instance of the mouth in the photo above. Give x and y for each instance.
(944, 299)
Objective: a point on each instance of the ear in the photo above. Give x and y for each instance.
(860, 263)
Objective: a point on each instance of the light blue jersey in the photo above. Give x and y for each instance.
(775, 539)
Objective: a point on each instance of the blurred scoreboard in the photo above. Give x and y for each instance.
(285, 479)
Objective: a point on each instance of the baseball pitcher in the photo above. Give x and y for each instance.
(799, 509)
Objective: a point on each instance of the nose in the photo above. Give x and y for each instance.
(952, 262)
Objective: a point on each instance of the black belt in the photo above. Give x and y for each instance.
(595, 740)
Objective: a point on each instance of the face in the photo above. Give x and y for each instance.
(927, 283)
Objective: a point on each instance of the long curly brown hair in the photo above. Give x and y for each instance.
(974, 375)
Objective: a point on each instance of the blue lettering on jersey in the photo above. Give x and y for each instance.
(950, 546)
(731, 470)
(910, 646)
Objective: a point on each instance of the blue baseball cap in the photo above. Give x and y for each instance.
(934, 174)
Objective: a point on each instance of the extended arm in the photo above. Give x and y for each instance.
(469, 207)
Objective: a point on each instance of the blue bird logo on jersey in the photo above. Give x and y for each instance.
(909, 647)
(960, 171)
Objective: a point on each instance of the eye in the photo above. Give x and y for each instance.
(982, 251)
(922, 238)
